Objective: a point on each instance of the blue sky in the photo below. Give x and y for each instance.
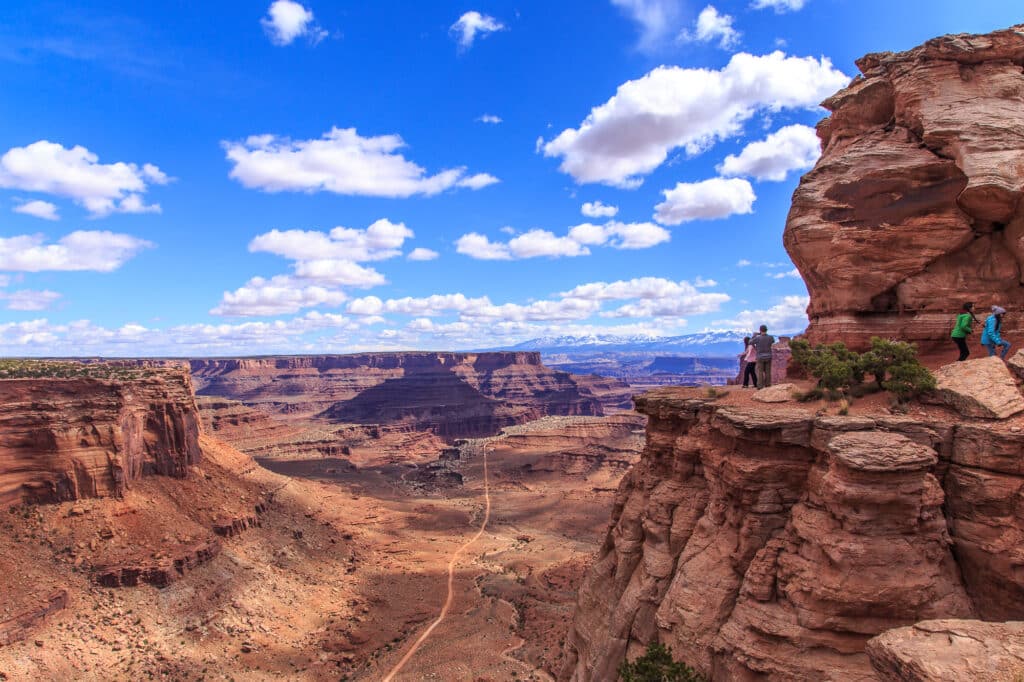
(257, 177)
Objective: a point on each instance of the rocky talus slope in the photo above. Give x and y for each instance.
(771, 542)
(66, 439)
(454, 395)
(915, 204)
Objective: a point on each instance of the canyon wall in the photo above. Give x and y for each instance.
(65, 439)
(771, 542)
(915, 204)
(454, 395)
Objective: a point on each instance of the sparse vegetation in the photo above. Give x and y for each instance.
(713, 393)
(67, 369)
(656, 665)
(841, 372)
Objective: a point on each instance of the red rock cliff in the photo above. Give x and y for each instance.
(772, 543)
(65, 439)
(455, 395)
(915, 204)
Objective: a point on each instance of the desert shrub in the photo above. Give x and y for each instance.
(896, 368)
(834, 365)
(893, 364)
(656, 665)
(713, 393)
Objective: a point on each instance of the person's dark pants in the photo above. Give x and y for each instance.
(750, 374)
(961, 343)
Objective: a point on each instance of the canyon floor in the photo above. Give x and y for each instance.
(346, 566)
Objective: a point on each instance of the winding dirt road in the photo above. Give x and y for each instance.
(451, 578)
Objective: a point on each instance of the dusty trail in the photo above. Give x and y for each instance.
(451, 578)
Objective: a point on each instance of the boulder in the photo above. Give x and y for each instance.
(1016, 364)
(935, 650)
(979, 388)
(780, 393)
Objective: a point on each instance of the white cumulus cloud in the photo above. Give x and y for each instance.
(780, 6)
(790, 315)
(596, 209)
(27, 299)
(322, 262)
(712, 26)
(794, 147)
(422, 254)
(706, 200)
(343, 162)
(38, 209)
(76, 173)
(471, 25)
(274, 296)
(537, 243)
(287, 20)
(672, 107)
(658, 20)
(99, 251)
(489, 118)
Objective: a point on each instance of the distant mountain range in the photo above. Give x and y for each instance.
(704, 344)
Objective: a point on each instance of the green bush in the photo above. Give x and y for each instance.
(657, 666)
(893, 364)
(896, 368)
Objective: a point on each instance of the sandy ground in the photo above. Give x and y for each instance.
(346, 569)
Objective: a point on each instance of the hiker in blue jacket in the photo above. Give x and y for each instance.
(990, 337)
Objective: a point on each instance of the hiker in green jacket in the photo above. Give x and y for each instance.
(962, 329)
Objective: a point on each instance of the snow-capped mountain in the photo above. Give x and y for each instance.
(703, 344)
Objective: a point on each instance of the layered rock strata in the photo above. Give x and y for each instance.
(767, 542)
(65, 439)
(18, 628)
(454, 395)
(941, 650)
(915, 204)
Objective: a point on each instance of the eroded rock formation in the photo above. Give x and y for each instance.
(767, 542)
(915, 204)
(65, 439)
(940, 650)
(454, 395)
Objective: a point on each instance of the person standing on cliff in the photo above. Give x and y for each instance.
(749, 358)
(990, 337)
(962, 329)
(762, 344)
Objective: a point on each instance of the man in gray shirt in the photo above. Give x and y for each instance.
(762, 343)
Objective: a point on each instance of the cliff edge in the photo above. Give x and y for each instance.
(92, 434)
(915, 204)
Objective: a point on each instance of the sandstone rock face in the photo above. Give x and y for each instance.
(940, 650)
(771, 543)
(915, 204)
(979, 388)
(65, 439)
(455, 395)
(776, 393)
(1016, 364)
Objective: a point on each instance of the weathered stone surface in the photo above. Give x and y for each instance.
(1016, 364)
(65, 439)
(880, 451)
(915, 203)
(947, 650)
(979, 388)
(766, 542)
(776, 393)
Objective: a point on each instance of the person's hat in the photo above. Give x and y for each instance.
(996, 310)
